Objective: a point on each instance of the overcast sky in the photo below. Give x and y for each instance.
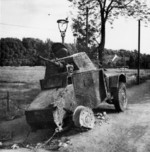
(29, 18)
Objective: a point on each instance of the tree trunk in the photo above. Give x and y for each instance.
(102, 41)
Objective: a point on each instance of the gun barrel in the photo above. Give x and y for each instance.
(51, 61)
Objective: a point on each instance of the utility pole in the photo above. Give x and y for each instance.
(139, 41)
(87, 16)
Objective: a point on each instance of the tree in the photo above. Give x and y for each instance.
(103, 11)
(80, 29)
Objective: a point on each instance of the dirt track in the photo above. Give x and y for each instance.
(123, 132)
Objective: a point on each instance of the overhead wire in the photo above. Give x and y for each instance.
(22, 26)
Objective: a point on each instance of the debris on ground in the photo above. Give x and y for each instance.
(15, 146)
(51, 144)
(64, 142)
(54, 144)
(102, 117)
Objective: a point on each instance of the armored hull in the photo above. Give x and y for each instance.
(70, 85)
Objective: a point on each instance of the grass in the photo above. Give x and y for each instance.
(22, 83)
(131, 75)
(21, 74)
(19, 98)
(34, 74)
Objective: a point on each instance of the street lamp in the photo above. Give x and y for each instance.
(75, 40)
(62, 25)
(75, 37)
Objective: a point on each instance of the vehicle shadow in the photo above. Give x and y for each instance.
(109, 109)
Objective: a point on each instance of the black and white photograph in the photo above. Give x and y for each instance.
(74, 75)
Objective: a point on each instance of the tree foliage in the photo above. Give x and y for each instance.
(15, 52)
(101, 12)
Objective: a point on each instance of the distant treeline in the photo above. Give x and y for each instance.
(16, 52)
(25, 52)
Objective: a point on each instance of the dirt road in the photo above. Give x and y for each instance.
(122, 132)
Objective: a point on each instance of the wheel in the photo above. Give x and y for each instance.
(83, 117)
(120, 97)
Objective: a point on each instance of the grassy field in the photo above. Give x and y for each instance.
(21, 74)
(34, 74)
(22, 83)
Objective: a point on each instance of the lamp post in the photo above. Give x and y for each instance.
(75, 41)
(62, 25)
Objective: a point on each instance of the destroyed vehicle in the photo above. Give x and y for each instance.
(73, 86)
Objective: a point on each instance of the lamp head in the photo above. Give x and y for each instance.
(62, 24)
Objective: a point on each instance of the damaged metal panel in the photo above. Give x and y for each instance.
(54, 81)
(102, 85)
(83, 62)
(86, 87)
(49, 106)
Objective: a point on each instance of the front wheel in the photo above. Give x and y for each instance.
(83, 117)
(120, 97)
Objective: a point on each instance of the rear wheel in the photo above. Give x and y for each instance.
(120, 97)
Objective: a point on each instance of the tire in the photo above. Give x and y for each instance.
(83, 117)
(120, 97)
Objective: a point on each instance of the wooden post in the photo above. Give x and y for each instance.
(139, 36)
(87, 15)
(8, 109)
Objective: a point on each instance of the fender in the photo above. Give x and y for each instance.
(116, 79)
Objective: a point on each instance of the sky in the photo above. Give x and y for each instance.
(29, 18)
